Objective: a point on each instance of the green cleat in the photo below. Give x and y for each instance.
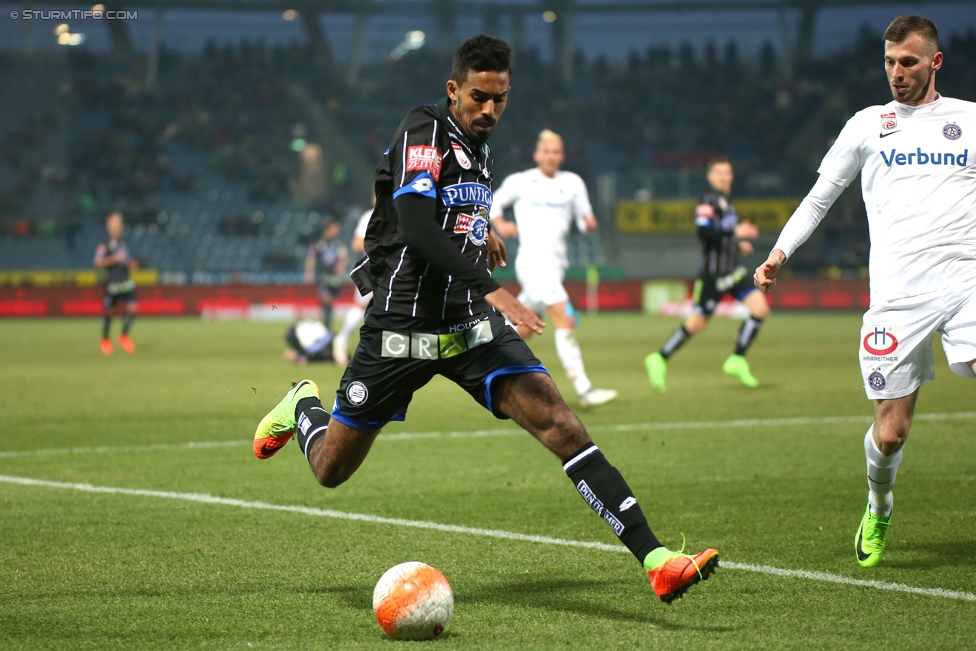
(278, 426)
(657, 368)
(869, 541)
(738, 367)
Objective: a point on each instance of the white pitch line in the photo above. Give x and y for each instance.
(124, 448)
(203, 498)
(481, 433)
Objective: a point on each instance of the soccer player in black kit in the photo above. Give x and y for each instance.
(437, 311)
(113, 256)
(723, 238)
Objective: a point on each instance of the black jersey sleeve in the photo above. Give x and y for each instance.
(415, 160)
(708, 221)
(421, 233)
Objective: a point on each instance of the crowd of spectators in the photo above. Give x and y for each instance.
(237, 111)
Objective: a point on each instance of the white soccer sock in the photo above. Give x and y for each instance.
(881, 475)
(572, 360)
(354, 317)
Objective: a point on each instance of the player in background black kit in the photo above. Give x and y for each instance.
(330, 256)
(113, 256)
(723, 238)
(437, 311)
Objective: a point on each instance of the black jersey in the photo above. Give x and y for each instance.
(327, 254)
(716, 219)
(429, 156)
(118, 280)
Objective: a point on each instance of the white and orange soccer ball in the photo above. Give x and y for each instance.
(413, 601)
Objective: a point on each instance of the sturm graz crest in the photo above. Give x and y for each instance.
(952, 131)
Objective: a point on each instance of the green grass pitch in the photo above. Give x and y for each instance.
(83, 570)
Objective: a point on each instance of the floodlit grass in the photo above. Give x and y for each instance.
(82, 570)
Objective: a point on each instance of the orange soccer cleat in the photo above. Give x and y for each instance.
(672, 578)
(126, 344)
(107, 346)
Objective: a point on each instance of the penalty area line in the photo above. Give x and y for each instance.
(204, 498)
(482, 433)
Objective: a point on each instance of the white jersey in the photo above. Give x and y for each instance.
(362, 224)
(918, 179)
(544, 209)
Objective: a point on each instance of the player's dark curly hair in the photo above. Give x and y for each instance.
(904, 26)
(481, 53)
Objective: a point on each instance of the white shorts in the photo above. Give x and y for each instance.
(360, 300)
(895, 348)
(541, 288)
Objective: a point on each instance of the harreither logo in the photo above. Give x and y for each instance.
(919, 157)
(880, 342)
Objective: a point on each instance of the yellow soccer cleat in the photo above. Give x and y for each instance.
(278, 426)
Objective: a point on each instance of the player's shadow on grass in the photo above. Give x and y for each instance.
(569, 595)
(936, 554)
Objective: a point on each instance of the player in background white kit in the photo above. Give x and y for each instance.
(917, 160)
(546, 200)
(355, 314)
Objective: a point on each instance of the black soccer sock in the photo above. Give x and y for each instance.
(675, 341)
(312, 420)
(747, 333)
(327, 315)
(605, 490)
(127, 323)
(106, 324)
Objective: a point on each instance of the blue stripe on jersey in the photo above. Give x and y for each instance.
(423, 185)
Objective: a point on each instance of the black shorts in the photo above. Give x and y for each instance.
(398, 354)
(709, 291)
(330, 286)
(111, 300)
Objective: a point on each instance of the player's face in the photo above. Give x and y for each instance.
(479, 101)
(720, 177)
(910, 66)
(330, 232)
(549, 155)
(114, 226)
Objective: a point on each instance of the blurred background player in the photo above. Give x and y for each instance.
(113, 256)
(329, 254)
(922, 218)
(546, 201)
(723, 238)
(354, 316)
(308, 341)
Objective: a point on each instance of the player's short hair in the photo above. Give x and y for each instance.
(716, 160)
(113, 213)
(904, 26)
(481, 53)
(548, 134)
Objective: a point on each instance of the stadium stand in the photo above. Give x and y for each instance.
(232, 160)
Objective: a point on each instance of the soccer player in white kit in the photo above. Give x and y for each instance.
(546, 201)
(354, 315)
(918, 179)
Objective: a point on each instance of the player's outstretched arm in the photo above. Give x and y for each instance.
(765, 276)
(503, 301)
